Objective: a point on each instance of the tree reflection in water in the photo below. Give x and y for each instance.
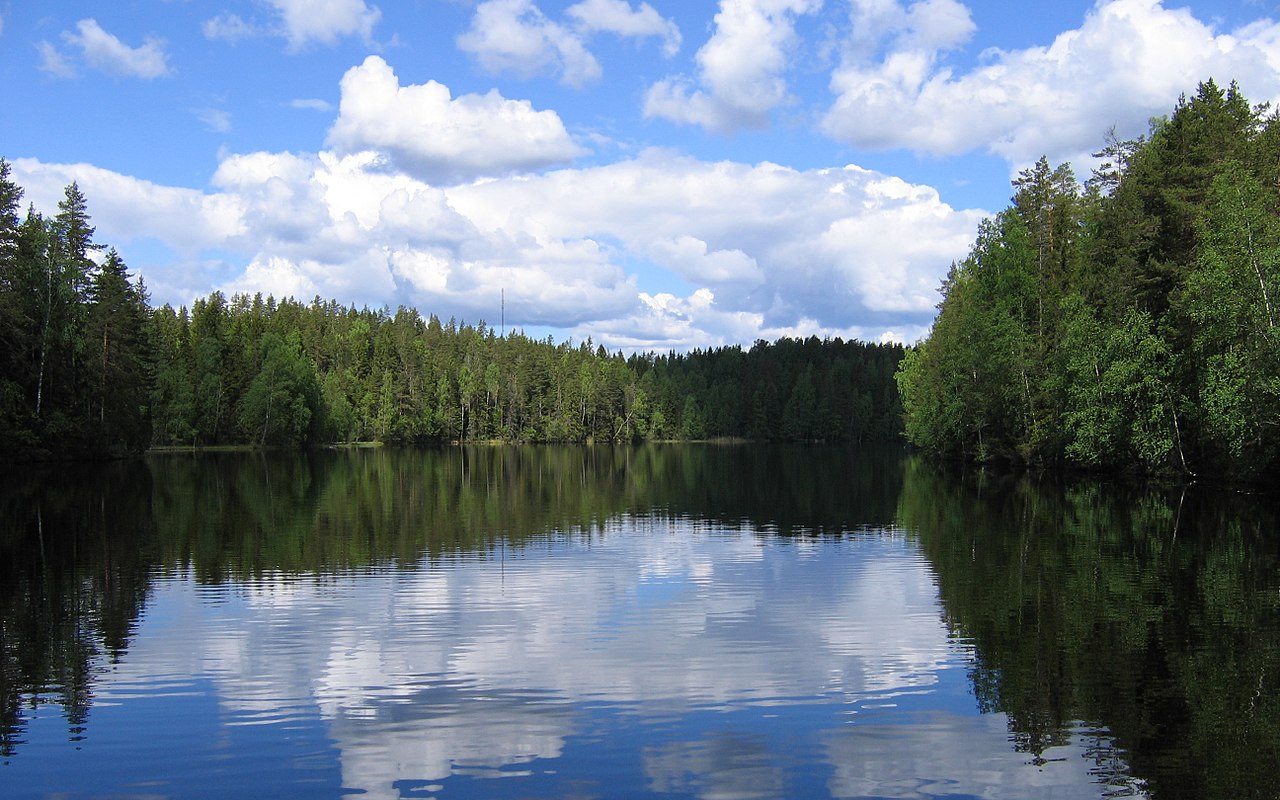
(1139, 628)
(1152, 612)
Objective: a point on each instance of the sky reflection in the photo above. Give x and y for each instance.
(655, 656)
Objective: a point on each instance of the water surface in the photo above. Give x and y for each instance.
(727, 622)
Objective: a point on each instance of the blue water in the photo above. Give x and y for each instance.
(652, 657)
(649, 622)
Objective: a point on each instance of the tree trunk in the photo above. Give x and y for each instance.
(44, 335)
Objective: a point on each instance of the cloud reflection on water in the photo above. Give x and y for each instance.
(732, 653)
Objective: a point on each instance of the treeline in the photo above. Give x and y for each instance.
(254, 370)
(88, 367)
(1129, 324)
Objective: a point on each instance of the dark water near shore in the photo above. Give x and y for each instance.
(665, 621)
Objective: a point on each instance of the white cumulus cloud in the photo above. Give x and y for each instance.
(830, 246)
(127, 208)
(516, 36)
(618, 17)
(741, 69)
(422, 129)
(763, 250)
(325, 21)
(105, 52)
(1125, 63)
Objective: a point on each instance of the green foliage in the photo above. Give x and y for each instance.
(75, 368)
(117, 328)
(1128, 326)
(283, 402)
(968, 391)
(15, 321)
(1229, 309)
(1120, 403)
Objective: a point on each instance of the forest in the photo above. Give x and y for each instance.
(1129, 324)
(88, 368)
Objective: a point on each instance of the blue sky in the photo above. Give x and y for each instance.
(653, 174)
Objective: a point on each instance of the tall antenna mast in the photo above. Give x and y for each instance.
(504, 311)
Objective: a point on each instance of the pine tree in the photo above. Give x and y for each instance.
(15, 322)
(120, 363)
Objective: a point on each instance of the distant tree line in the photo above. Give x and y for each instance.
(87, 367)
(254, 370)
(1129, 324)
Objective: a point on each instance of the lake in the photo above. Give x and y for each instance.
(666, 621)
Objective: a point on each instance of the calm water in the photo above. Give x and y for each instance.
(718, 622)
